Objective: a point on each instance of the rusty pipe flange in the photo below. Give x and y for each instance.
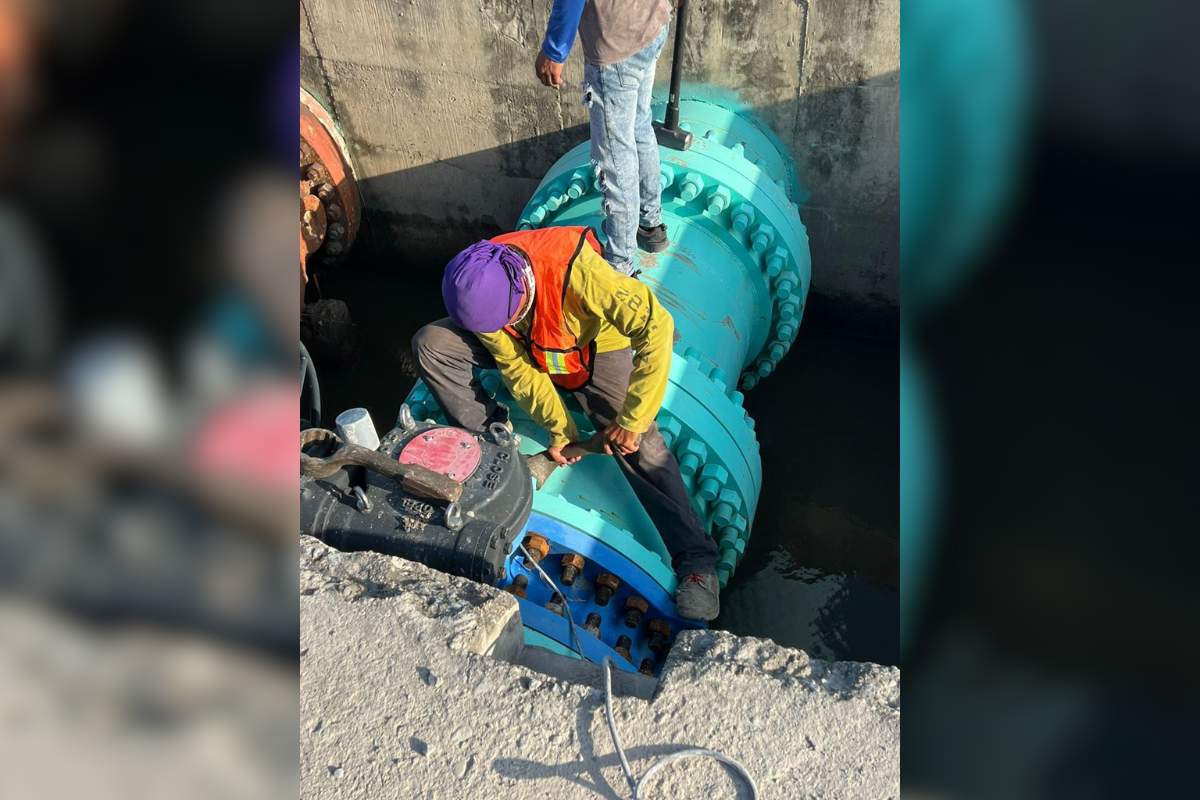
(325, 168)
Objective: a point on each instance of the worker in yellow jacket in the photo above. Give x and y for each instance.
(547, 311)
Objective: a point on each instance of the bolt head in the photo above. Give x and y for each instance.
(776, 259)
(666, 175)
(761, 237)
(743, 217)
(718, 200)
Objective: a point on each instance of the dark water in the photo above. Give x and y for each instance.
(822, 569)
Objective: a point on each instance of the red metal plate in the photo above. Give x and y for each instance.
(450, 451)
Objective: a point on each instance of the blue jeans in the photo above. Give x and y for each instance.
(624, 149)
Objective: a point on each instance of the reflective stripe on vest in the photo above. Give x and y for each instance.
(551, 344)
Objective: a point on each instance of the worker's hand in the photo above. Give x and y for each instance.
(620, 441)
(559, 458)
(548, 72)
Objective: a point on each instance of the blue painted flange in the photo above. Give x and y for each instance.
(600, 556)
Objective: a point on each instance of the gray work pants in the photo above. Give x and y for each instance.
(445, 355)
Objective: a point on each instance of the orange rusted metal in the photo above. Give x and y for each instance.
(537, 545)
(312, 224)
(326, 173)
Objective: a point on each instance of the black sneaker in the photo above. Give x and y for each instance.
(652, 240)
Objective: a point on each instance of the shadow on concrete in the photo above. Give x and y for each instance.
(587, 772)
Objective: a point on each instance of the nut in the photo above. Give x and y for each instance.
(537, 545)
(572, 565)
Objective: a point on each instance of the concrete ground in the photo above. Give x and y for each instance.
(415, 684)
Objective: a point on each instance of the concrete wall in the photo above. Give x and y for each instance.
(451, 131)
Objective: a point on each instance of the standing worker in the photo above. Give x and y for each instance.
(545, 309)
(622, 40)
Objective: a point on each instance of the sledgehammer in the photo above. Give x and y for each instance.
(541, 464)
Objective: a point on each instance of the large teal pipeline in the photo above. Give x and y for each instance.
(735, 279)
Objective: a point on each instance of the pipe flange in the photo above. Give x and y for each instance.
(327, 186)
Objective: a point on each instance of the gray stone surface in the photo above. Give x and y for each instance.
(452, 132)
(397, 702)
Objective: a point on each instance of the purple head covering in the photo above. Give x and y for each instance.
(483, 287)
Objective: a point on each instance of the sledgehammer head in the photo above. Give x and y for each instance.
(675, 138)
(540, 466)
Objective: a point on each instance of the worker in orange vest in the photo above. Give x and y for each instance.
(547, 311)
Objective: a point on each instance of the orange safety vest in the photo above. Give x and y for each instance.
(554, 348)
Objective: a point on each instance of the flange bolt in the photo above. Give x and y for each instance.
(787, 309)
(556, 604)
(785, 284)
(776, 259)
(592, 624)
(743, 217)
(659, 631)
(537, 545)
(693, 184)
(518, 586)
(606, 585)
(728, 503)
(647, 667)
(692, 454)
(572, 565)
(718, 200)
(622, 648)
(761, 237)
(635, 609)
(666, 176)
(556, 200)
(712, 478)
(578, 186)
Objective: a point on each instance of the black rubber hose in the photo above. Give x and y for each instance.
(314, 388)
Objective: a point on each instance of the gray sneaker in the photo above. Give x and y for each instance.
(697, 596)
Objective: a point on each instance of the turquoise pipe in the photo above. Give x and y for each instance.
(735, 279)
